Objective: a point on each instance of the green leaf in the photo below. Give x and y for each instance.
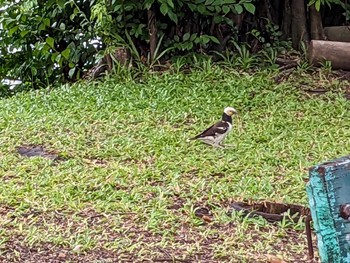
(202, 9)
(318, 5)
(61, 4)
(65, 53)
(47, 21)
(238, 8)
(217, 2)
(24, 33)
(209, 2)
(46, 49)
(50, 41)
(225, 9)
(164, 9)
(249, 7)
(189, 45)
(229, 2)
(186, 36)
(58, 58)
(214, 39)
(62, 26)
(13, 30)
(54, 56)
(193, 36)
(170, 3)
(217, 19)
(204, 39)
(172, 16)
(71, 72)
(34, 71)
(42, 27)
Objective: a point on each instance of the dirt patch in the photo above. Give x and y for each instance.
(137, 243)
(39, 150)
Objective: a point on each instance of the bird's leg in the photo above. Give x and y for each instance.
(219, 146)
(226, 145)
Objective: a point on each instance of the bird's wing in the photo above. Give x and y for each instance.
(220, 127)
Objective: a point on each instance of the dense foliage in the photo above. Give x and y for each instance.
(46, 42)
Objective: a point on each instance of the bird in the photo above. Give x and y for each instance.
(216, 133)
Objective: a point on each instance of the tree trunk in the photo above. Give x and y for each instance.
(338, 53)
(287, 20)
(299, 30)
(152, 31)
(316, 28)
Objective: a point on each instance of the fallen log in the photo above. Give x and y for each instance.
(338, 53)
(337, 33)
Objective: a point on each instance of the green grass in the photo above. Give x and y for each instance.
(132, 181)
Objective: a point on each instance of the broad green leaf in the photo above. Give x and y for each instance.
(42, 27)
(46, 49)
(13, 30)
(202, 9)
(193, 36)
(170, 3)
(71, 72)
(214, 39)
(47, 21)
(24, 33)
(58, 58)
(249, 7)
(50, 41)
(238, 8)
(65, 53)
(186, 36)
(34, 71)
(209, 2)
(164, 9)
(318, 5)
(217, 2)
(54, 56)
(225, 9)
(229, 2)
(62, 26)
(172, 16)
(61, 4)
(204, 39)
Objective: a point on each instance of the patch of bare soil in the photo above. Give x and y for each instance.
(149, 246)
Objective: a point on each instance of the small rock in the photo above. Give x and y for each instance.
(77, 248)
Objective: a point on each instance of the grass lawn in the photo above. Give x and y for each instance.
(131, 182)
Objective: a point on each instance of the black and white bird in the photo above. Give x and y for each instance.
(215, 134)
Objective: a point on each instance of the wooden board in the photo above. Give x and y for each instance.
(328, 189)
(337, 33)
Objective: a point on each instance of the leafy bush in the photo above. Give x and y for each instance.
(44, 42)
(48, 42)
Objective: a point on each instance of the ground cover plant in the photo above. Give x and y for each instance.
(128, 184)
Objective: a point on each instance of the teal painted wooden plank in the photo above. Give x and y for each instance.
(328, 189)
(328, 246)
